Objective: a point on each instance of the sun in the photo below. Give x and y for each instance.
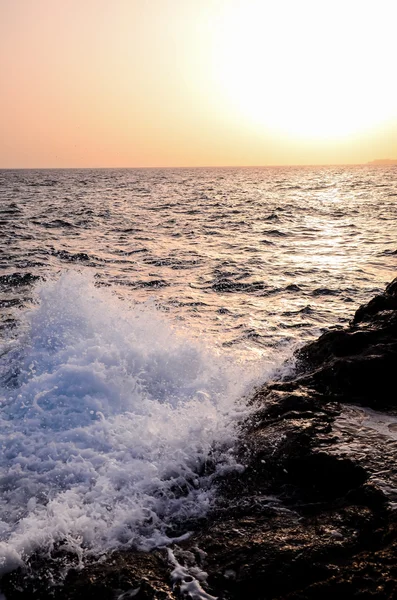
(308, 69)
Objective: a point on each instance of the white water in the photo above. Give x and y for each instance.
(108, 415)
(188, 580)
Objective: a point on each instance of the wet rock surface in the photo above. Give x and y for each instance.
(357, 364)
(313, 513)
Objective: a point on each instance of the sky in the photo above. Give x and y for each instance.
(172, 83)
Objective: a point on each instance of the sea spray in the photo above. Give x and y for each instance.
(108, 418)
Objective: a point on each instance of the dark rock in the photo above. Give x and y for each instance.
(312, 516)
(357, 363)
(139, 575)
(385, 301)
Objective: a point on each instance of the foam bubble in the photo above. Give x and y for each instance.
(108, 418)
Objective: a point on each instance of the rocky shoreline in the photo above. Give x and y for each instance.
(312, 516)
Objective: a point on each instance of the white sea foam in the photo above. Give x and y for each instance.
(108, 417)
(188, 580)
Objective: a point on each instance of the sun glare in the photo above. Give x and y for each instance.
(308, 69)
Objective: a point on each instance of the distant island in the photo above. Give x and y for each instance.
(383, 161)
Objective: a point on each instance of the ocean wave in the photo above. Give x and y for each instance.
(109, 421)
(18, 279)
(275, 232)
(70, 256)
(325, 292)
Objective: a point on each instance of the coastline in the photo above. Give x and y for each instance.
(312, 515)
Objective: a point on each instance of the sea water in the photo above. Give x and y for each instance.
(139, 309)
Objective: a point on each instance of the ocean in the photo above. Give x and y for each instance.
(139, 309)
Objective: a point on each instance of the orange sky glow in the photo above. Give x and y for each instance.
(140, 83)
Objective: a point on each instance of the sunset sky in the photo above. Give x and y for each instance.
(131, 83)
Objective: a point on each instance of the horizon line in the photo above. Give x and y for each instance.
(353, 164)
